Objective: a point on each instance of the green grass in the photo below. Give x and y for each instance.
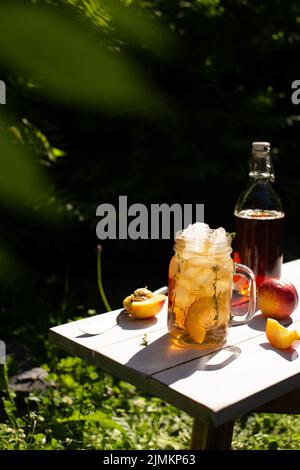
(89, 409)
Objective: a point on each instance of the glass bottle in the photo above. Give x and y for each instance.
(259, 219)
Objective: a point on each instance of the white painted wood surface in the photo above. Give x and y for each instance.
(213, 386)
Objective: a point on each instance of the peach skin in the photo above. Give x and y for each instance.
(277, 299)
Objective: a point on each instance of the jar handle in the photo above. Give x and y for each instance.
(247, 273)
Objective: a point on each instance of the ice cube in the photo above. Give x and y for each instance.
(180, 314)
(194, 236)
(197, 231)
(199, 237)
(218, 236)
(183, 297)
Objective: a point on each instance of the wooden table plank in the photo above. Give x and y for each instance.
(126, 328)
(129, 328)
(124, 345)
(213, 387)
(230, 382)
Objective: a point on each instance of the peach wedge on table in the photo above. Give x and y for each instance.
(143, 303)
(279, 336)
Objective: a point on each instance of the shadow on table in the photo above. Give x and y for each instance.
(127, 322)
(164, 353)
(123, 320)
(289, 354)
(258, 322)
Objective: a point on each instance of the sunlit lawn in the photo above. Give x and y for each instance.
(88, 409)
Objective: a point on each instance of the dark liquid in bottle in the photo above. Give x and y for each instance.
(258, 242)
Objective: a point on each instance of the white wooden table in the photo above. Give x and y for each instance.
(213, 387)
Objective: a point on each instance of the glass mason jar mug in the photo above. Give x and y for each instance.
(200, 290)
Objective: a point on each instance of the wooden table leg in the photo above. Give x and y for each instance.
(211, 438)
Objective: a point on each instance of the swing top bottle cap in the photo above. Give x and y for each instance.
(261, 147)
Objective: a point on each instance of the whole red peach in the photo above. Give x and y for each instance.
(277, 298)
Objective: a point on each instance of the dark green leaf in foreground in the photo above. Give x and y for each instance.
(21, 181)
(71, 62)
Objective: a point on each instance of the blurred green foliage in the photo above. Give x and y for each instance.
(71, 63)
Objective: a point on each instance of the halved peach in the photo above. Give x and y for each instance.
(144, 304)
(279, 336)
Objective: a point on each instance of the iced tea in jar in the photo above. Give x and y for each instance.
(200, 287)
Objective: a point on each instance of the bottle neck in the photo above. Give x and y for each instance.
(261, 167)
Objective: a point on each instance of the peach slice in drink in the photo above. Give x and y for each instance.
(199, 318)
(206, 313)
